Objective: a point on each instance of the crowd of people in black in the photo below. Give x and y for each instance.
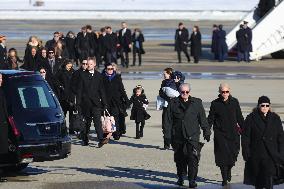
(107, 46)
(91, 93)
(261, 135)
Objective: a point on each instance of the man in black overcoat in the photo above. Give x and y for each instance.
(181, 41)
(124, 42)
(184, 118)
(3, 125)
(111, 42)
(91, 95)
(226, 117)
(242, 44)
(83, 44)
(248, 33)
(3, 53)
(214, 45)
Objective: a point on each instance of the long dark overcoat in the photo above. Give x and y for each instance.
(224, 116)
(262, 139)
(195, 45)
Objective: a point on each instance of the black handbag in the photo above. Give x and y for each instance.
(77, 120)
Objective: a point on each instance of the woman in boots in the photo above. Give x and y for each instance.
(226, 117)
(138, 111)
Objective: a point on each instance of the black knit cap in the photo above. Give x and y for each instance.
(263, 99)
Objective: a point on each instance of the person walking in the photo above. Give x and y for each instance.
(226, 117)
(185, 117)
(124, 43)
(3, 126)
(168, 73)
(222, 45)
(13, 60)
(195, 44)
(116, 95)
(181, 41)
(52, 43)
(138, 111)
(66, 96)
(111, 42)
(30, 60)
(92, 97)
(138, 40)
(214, 43)
(262, 145)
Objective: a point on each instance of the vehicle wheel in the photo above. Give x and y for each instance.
(278, 55)
(15, 168)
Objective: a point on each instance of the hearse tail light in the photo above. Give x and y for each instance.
(13, 125)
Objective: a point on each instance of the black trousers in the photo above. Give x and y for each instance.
(166, 142)
(124, 57)
(93, 114)
(185, 52)
(138, 52)
(122, 125)
(186, 162)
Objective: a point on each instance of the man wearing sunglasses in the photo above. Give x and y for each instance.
(184, 118)
(226, 117)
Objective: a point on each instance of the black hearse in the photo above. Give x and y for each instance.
(37, 129)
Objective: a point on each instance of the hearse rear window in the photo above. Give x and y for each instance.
(35, 95)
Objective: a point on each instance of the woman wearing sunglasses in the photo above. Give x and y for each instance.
(262, 145)
(226, 117)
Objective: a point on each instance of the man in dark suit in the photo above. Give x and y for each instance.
(101, 53)
(52, 43)
(111, 42)
(92, 98)
(181, 41)
(124, 42)
(3, 53)
(3, 126)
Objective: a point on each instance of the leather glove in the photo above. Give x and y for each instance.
(206, 134)
(207, 138)
(246, 155)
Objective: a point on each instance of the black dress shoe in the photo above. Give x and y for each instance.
(85, 143)
(192, 184)
(224, 183)
(180, 181)
(166, 147)
(229, 176)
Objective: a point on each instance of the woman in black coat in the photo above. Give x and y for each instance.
(226, 117)
(262, 145)
(3, 125)
(195, 46)
(64, 87)
(70, 41)
(116, 95)
(137, 39)
(30, 60)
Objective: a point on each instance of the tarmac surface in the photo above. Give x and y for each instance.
(137, 164)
